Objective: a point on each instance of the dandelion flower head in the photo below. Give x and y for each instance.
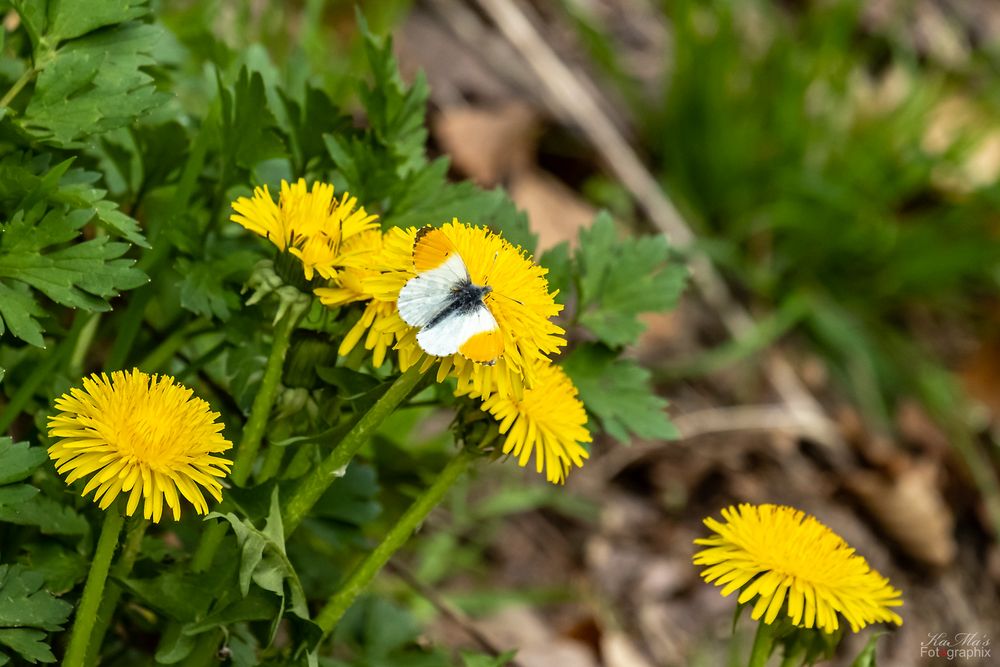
(312, 225)
(143, 436)
(548, 421)
(519, 300)
(362, 253)
(789, 560)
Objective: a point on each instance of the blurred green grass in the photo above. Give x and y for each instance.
(800, 144)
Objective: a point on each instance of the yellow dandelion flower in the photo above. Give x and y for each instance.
(519, 300)
(312, 225)
(361, 254)
(548, 420)
(787, 559)
(142, 435)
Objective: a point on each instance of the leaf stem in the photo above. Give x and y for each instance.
(27, 389)
(161, 355)
(93, 590)
(123, 567)
(310, 489)
(260, 411)
(763, 644)
(397, 536)
(9, 96)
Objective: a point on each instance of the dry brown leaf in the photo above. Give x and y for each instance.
(538, 645)
(916, 427)
(619, 651)
(488, 144)
(556, 212)
(911, 511)
(980, 375)
(959, 118)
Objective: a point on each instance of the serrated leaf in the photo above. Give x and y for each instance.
(618, 392)
(210, 286)
(94, 84)
(248, 127)
(395, 113)
(18, 460)
(61, 568)
(73, 18)
(182, 596)
(30, 644)
(82, 275)
(18, 311)
(264, 561)
(620, 279)
(23, 603)
(51, 517)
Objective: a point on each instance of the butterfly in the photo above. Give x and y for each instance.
(443, 302)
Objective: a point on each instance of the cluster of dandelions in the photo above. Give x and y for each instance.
(533, 400)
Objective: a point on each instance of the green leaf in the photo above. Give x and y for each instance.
(182, 596)
(264, 561)
(480, 660)
(620, 279)
(395, 113)
(83, 275)
(18, 460)
(23, 603)
(15, 494)
(94, 84)
(560, 265)
(51, 517)
(30, 644)
(210, 286)
(18, 311)
(866, 658)
(73, 18)
(61, 568)
(248, 127)
(352, 499)
(618, 392)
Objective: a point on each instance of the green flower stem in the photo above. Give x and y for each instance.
(81, 347)
(18, 86)
(253, 433)
(93, 590)
(260, 411)
(310, 489)
(763, 645)
(397, 536)
(272, 463)
(123, 567)
(161, 355)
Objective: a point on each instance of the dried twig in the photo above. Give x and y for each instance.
(711, 421)
(448, 610)
(572, 100)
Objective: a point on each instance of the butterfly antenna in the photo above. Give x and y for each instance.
(496, 256)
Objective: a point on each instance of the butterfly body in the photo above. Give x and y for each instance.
(442, 301)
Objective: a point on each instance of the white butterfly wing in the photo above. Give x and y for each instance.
(448, 335)
(426, 295)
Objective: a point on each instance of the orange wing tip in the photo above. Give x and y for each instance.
(431, 249)
(483, 348)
